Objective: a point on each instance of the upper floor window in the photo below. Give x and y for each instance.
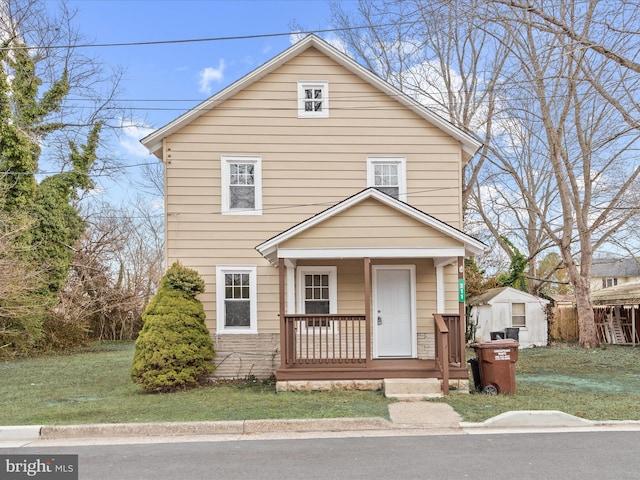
(242, 185)
(609, 282)
(388, 175)
(518, 315)
(313, 99)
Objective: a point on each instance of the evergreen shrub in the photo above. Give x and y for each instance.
(174, 350)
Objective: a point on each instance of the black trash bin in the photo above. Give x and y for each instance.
(499, 335)
(475, 371)
(512, 333)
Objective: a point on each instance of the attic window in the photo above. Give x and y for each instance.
(313, 99)
(609, 282)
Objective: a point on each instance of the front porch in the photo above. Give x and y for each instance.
(338, 347)
(365, 290)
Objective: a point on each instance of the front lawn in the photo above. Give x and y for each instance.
(95, 387)
(597, 384)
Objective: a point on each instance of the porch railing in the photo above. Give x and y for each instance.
(333, 340)
(449, 340)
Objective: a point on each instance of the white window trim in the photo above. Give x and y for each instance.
(226, 161)
(525, 315)
(332, 271)
(402, 172)
(221, 270)
(325, 99)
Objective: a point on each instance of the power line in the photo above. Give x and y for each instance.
(97, 174)
(201, 40)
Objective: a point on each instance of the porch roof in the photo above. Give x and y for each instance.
(625, 294)
(356, 228)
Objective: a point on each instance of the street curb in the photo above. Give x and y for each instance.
(510, 421)
(531, 418)
(240, 427)
(20, 433)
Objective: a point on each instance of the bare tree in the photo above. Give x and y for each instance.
(435, 55)
(589, 140)
(558, 112)
(117, 268)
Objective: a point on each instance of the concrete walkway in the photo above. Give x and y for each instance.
(407, 418)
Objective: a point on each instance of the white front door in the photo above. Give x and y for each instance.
(393, 310)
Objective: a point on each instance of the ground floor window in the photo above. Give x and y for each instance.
(317, 292)
(236, 299)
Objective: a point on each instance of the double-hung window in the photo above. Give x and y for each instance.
(518, 315)
(236, 299)
(242, 185)
(313, 99)
(388, 175)
(317, 292)
(609, 282)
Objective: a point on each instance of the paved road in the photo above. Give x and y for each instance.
(547, 456)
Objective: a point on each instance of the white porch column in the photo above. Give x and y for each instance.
(291, 286)
(440, 263)
(440, 299)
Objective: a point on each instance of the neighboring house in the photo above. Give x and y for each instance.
(322, 207)
(611, 272)
(617, 313)
(504, 308)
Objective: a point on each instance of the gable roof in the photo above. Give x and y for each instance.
(472, 246)
(153, 142)
(615, 267)
(506, 293)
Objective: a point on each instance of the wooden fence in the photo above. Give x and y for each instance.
(563, 324)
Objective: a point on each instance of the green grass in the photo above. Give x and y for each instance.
(95, 387)
(597, 384)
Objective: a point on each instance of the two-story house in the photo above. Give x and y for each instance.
(322, 207)
(611, 272)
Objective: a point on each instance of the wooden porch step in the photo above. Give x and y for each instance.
(412, 388)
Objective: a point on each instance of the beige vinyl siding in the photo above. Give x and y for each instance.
(370, 224)
(351, 287)
(308, 165)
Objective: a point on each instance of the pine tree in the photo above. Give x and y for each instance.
(174, 350)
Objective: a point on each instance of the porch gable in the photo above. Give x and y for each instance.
(370, 224)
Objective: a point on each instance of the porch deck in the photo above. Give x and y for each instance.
(338, 347)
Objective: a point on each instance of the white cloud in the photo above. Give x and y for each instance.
(210, 75)
(130, 138)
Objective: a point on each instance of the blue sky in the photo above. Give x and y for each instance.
(161, 81)
(193, 71)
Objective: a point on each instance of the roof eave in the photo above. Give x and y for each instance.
(153, 142)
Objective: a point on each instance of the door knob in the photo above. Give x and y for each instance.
(379, 320)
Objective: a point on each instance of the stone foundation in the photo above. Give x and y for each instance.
(426, 346)
(327, 385)
(242, 356)
(460, 386)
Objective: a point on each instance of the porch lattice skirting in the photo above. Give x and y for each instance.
(241, 356)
